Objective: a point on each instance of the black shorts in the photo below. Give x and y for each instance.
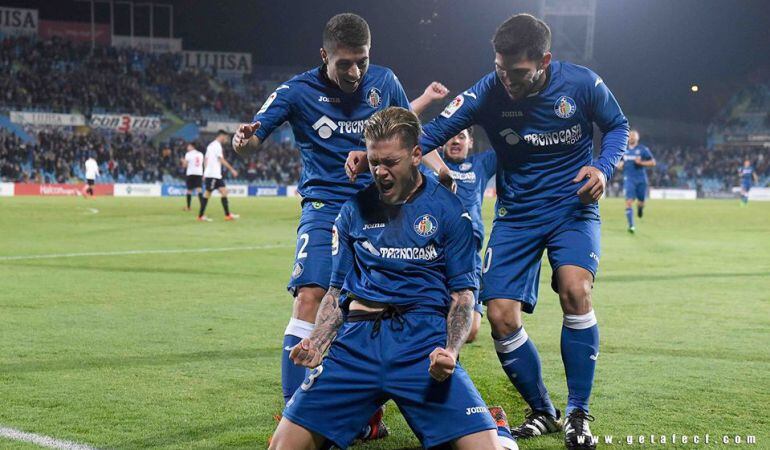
(214, 183)
(194, 182)
(90, 182)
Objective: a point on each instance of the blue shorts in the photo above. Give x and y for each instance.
(363, 370)
(635, 190)
(313, 254)
(746, 187)
(512, 261)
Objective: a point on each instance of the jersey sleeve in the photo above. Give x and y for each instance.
(647, 154)
(460, 252)
(397, 94)
(490, 164)
(276, 110)
(458, 115)
(342, 247)
(607, 115)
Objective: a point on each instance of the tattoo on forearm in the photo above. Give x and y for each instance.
(459, 320)
(328, 320)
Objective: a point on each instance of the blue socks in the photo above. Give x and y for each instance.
(630, 217)
(521, 363)
(579, 350)
(292, 375)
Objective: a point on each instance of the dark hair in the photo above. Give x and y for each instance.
(221, 132)
(391, 122)
(523, 34)
(347, 29)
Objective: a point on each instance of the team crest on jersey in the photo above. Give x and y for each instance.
(425, 225)
(374, 97)
(452, 107)
(565, 107)
(465, 166)
(298, 269)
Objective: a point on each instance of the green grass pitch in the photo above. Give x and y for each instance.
(181, 349)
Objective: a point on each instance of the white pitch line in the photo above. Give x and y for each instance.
(143, 252)
(43, 441)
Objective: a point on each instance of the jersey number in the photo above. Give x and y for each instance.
(307, 384)
(305, 238)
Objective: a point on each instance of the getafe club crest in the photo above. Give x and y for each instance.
(297, 270)
(374, 97)
(565, 107)
(425, 225)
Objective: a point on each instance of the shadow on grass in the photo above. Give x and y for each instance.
(137, 361)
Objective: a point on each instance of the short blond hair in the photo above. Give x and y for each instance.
(391, 122)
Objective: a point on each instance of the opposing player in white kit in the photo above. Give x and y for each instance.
(193, 163)
(212, 176)
(92, 171)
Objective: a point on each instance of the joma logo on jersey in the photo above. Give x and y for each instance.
(476, 410)
(569, 136)
(329, 99)
(510, 114)
(325, 127)
(369, 226)
(428, 253)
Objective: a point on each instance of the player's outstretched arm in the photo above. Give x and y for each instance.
(434, 162)
(309, 351)
(434, 92)
(458, 326)
(244, 137)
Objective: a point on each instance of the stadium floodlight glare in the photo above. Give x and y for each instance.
(694, 88)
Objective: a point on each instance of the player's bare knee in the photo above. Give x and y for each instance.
(575, 296)
(504, 316)
(306, 303)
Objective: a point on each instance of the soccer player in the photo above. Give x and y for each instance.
(92, 171)
(327, 108)
(539, 116)
(193, 163)
(748, 177)
(471, 174)
(634, 161)
(400, 304)
(214, 160)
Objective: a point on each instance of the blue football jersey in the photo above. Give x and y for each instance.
(471, 177)
(632, 172)
(746, 175)
(541, 141)
(410, 254)
(328, 123)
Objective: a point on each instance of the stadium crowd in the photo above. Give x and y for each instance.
(61, 76)
(59, 156)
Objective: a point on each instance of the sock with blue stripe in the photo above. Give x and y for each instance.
(579, 350)
(521, 363)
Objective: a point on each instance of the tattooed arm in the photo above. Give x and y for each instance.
(458, 325)
(309, 351)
